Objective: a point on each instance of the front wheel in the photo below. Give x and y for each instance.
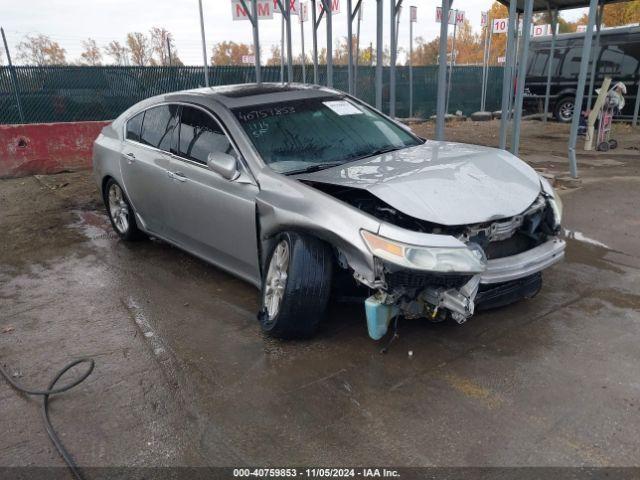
(296, 286)
(564, 109)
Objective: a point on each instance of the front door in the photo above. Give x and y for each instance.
(210, 215)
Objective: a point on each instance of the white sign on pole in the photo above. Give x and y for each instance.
(502, 59)
(304, 12)
(500, 25)
(413, 14)
(249, 59)
(455, 16)
(581, 28)
(484, 17)
(335, 6)
(265, 10)
(541, 30)
(295, 6)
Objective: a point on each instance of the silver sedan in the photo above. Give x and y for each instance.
(303, 190)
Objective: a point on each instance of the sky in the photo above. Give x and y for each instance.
(69, 22)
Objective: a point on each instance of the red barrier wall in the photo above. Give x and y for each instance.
(42, 148)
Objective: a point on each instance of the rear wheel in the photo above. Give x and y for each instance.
(296, 286)
(564, 109)
(120, 211)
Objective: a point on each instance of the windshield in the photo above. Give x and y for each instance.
(315, 133)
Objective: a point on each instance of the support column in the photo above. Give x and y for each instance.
(507, 78)
(349, 47)
(522, 72)
(595, 54)
(315, 22)
(204, 45)
(392, 60)
(582, 80)
(327, 12)
(554, 26)
(442, 72)
(379, 47)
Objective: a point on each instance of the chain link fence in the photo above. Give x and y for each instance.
(73, 93)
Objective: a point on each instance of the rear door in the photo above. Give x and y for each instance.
(145, 161)
(210, 215)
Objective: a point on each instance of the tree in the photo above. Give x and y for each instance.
(91, 54)
(618, 14)
(468, 45)
(230, 53)
(276, 56)
(162, 44)
(117, 52)
(140, 49)
(41, 50)
(425, 53)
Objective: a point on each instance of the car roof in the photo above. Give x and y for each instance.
(250, 94)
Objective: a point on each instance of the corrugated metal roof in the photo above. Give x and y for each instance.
(542, 5)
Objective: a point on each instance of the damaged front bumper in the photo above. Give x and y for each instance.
(508, 278)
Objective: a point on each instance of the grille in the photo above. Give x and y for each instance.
(409, 279)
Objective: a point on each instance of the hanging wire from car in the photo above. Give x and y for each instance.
(45, 394)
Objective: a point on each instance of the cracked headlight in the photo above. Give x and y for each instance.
(467, 259)
(555, 202)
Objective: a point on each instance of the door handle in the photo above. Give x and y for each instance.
(181, 177)
(131, 157)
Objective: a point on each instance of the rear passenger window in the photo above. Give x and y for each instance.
(157, 128)
(134, 125)
(200, 135)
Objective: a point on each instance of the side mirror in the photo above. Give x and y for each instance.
(223, 164)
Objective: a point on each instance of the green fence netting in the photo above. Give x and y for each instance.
(73, 93)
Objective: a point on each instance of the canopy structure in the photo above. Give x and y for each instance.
(516, 63)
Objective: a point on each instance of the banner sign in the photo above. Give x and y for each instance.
(304, 12)
(456, 17)
(335, 6)
(265, 9)
(484, 18)
(295, 6)
(500, 25)
(413, 14)
(249, 59)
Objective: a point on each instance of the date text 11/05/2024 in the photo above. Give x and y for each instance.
(316, 472)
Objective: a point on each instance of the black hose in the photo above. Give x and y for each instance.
(66, 456)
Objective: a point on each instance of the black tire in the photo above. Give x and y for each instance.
(306, 290)
(563, 110)
(603, 147)
(613, 144)
(481, 116)
(130, 232)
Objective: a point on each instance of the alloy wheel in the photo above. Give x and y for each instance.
(276, 281)
(118, 209)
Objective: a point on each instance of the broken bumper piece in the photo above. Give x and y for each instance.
(505, 280)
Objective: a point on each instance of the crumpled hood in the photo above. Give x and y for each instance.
(442, 182)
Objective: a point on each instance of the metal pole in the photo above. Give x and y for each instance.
(282, 47)
(637, 106)
(379, 18)
(554, 26)
(522, 71)
(595, 54)
(486, 75)
(507, 77)
(314, 39)
(169, 49)
(327, 4)
(204, 46)
(392, 60)
(453, 52)
(289, 47)
(442, 72)
(410, 67)
(304, 58)
(350, 47)
(357, 59)
(577, 110)
(256, 40)
(14, 78)
(484, 64)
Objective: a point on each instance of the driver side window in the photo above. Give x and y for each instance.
(200, 135)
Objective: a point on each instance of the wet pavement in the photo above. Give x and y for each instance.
(184, 377)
